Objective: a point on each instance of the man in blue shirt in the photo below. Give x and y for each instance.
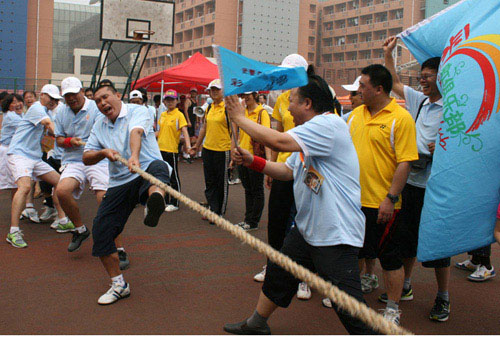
(25, 157)
(329, 225)
(126, 130)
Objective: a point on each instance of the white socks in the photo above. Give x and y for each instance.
(118, 280)
(13, 229)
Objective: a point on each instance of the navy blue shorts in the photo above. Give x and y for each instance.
(117, 205)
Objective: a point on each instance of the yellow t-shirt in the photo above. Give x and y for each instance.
(381, 142)
(217, 136)
(171, 123)
(282, 115)
(245, 139)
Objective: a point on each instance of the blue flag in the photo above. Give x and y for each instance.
(240, 74)
(462, 193)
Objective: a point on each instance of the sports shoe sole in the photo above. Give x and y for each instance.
(478, 279)
(156, 206)
(464, 268)
(438, 319)
(120, 298)
(15, 245)
(85, 239)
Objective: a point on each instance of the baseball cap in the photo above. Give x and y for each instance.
(215, 83)
(51, 90)
(354, 86)
(135, 94)
(294, 60)
(193, 89)
(170, 94)
(250, 92)
(71, 85)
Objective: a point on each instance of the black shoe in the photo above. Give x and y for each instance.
(77, 240)
(441, 310)
(155, 206)
(406, 295)
(241, 328)
(124, 262)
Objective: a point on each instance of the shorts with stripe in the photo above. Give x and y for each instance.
(7, 180)
(382, 240)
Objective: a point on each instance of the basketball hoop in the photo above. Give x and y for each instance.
(139, 34)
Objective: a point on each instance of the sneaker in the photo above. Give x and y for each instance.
(304, 292)
(77, 240)
(171, 208)
(30, 214)
(369, 283)
(234, 181)
(115, 293)
(247, 227)
(482, 274)
(16, 239)
(48, 214)
(326, 302)
(392, 315)
(260, 276)
(241, 328)
(406, 295)
(155, 206)
(124, 262)
(441, 310)
(65, 228)
(467, 265)
(54, 224)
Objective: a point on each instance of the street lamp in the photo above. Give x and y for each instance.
(171, 60)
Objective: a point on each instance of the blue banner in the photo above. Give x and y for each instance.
(462, 193)
(240, 74)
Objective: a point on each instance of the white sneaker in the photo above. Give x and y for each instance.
(482, 274)
(54, 224)
(392, 315)
(303, 293)
(31, 214)
(327, 303)
(115, 293)
(260, 276)
(48, 214)
(171, 208)
(467, 265)
(369, 283)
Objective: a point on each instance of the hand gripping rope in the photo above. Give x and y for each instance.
(342, 299)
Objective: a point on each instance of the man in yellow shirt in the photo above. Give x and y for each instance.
(253, 181)
(171, 123)
(216, 139)
(384, 136)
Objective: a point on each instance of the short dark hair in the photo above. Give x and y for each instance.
(3, 94)
(157, 98)
(318, 91)
(431, 63)
(88, 89)
(110, 86)
(19, 97)
(7, 100)
(379, 76)
(26, 92)
(106, 82)
(263, 95)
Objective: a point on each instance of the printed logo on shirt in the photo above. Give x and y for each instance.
(383, 126)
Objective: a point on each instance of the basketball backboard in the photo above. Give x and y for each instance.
(121, 18)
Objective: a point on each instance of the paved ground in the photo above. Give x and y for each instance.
(188, 277)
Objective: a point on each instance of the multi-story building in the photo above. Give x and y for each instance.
(434, 6)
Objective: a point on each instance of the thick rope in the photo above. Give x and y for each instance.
(342, 299)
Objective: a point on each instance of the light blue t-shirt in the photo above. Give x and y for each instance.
(27, 139)
(9, 125)
(332, 216)
(69, 124)
(108, 135)
(427, 126)
(57, 151)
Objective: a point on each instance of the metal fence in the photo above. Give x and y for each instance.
(19, 85)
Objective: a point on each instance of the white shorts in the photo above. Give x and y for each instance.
(6, 178)
(21, 166)
(96, 175)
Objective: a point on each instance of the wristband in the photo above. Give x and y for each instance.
(67, 142)
(258, 164)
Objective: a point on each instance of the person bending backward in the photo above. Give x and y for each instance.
(127, 130)
(384, 136)
(172, 122)
(25, 158)
(426, 108)
(216, 139)
(329, 227)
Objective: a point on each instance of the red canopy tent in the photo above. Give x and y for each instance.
(197, 72)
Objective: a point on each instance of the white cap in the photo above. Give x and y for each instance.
(71, 85)
(250, 92)
(135, 94)
(332, 91)
(294, 60)
(51, 90)
(215, 83)
(354, 86)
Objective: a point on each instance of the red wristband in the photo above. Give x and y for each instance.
(258, 164)
(67, 142)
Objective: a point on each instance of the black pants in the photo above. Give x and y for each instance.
(215, 164)
(45, 187)
(253, 182)
(173, 160)
(337, 264)
(280, 205)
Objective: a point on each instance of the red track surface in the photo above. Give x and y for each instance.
(189, 277)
